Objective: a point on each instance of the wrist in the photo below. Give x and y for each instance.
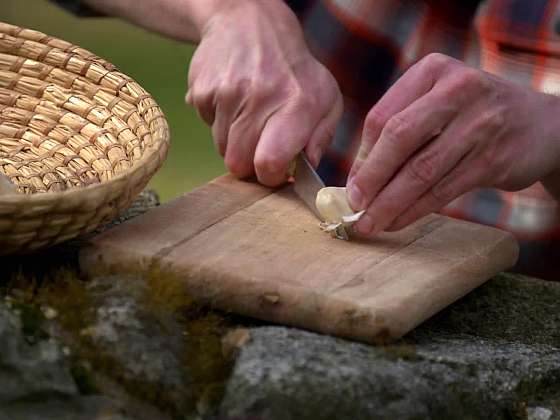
(203, 12)
(209, 15)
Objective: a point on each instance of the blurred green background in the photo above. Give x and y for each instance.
(158, 64)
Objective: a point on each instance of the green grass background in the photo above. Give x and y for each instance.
(158, 64)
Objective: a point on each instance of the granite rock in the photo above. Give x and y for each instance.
(492, 355)
(37, 381)
(142, 351)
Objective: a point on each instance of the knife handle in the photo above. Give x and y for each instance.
(291, 173)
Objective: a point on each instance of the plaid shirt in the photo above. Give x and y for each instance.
(368, 44)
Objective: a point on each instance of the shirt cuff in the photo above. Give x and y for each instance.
(78, 8)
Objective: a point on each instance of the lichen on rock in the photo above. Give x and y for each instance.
(140, 335)
(135, 338)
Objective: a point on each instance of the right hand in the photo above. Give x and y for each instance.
(254, 81)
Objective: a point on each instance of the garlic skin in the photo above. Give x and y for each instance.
(337, 215)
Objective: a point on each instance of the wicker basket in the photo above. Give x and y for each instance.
(78, 140)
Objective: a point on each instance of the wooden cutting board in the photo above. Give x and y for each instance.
(248, 249)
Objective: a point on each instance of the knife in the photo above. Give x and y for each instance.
(307, 183)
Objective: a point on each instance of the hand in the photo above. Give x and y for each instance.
(442, 130)
(266, 97)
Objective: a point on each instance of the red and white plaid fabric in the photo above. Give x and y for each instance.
(368, 44)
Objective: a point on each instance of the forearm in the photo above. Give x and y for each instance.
(183, 20)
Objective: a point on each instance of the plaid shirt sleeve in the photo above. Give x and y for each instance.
(368, 44)
(78, 8)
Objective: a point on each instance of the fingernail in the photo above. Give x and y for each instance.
(355, 196)
(365, 225)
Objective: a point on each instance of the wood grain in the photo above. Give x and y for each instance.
(243, 248)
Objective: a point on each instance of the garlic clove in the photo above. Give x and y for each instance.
(332, 205)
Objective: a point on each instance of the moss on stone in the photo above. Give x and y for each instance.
(527, 313)
(204, 328)
(65, 291)
(401, 352)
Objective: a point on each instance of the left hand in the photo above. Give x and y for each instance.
(444, 129)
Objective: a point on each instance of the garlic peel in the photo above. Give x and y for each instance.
(336, 230)
(353, 218)
(337, 215)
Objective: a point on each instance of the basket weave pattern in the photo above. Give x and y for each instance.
(78, 139)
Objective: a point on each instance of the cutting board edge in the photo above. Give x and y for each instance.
(251, 192)
(505, 252)
(264, 301)
(273, 302)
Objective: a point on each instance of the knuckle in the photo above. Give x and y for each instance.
(232, 89)
(300, 96)
(305, 101)
(444, 192)
(374, 123)
(492, 120)
(261, 89)
(469, 80)
(469, 77)
(236, 166)
(269, 164)
(242, 84)
(425, 168)
(435, 62)
(201, 93)
(397, 128)
(199, 101)
(293, 90)
(226, 92)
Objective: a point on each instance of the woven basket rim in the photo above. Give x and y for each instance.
(160, 145)
(53, 196)
(80, 140)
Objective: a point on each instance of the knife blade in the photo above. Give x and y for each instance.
(307, 183)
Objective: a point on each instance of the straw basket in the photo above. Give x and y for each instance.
(78, 140)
